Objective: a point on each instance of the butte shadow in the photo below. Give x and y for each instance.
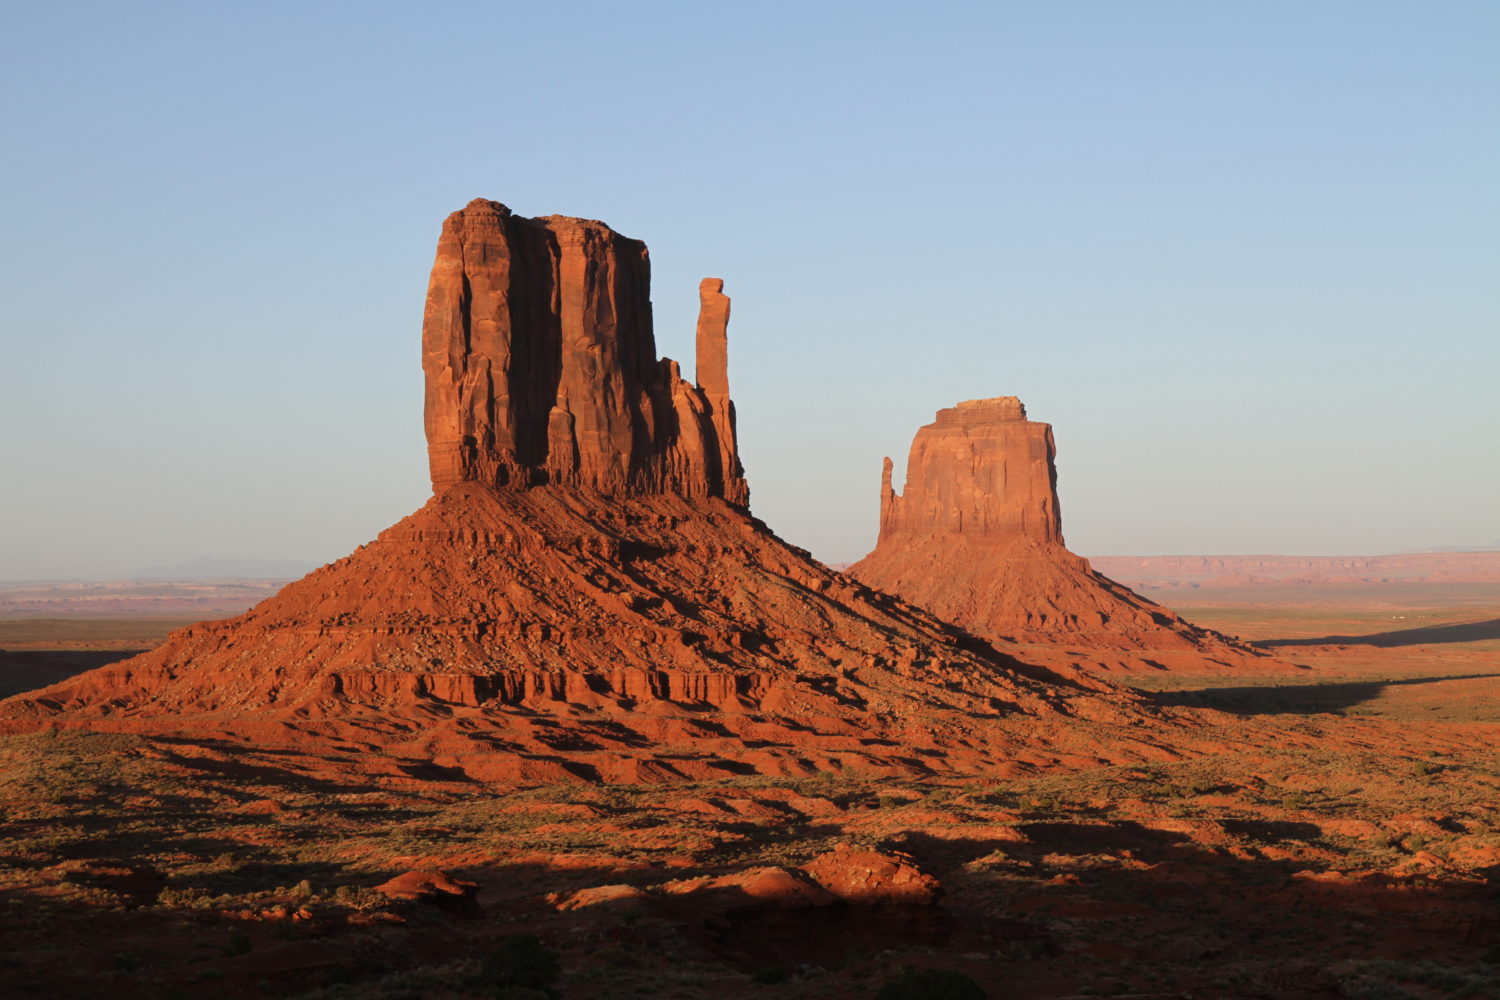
(586, 596)
(1426, 635)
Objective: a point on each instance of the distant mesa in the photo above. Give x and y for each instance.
(1466, 566)
(976, 538)
(217, 568)
(586, 596)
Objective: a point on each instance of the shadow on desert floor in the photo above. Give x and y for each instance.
(1298, 699)
(27, 670)
(1425, 635)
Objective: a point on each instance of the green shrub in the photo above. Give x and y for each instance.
(358, 897)
(931, 984)
(187, 898)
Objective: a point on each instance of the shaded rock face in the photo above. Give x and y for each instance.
(976, 537)
(541, 367)
(585, 596)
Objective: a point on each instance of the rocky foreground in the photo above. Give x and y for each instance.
(1356, 861)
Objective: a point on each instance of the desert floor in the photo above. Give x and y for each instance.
(1349, 848)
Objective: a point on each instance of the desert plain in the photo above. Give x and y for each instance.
(583, 727)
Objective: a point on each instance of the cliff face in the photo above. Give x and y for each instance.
(976, 537)
(980, 470)
(541, 367)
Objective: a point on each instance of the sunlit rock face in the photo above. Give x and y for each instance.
(976, 537)
(541, 366)
(981, 470)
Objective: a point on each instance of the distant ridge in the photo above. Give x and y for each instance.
(1160, 572)
(1492, 547)
(218, 568)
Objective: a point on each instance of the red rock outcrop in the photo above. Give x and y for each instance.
(981, 470)
(869, 878)
(976, 538)
(842, 901)
(842, 876)
(585, 596)
(541, 365)
(437, 888)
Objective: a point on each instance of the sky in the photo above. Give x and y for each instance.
(1245, 258)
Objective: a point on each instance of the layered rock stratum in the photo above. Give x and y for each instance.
(976, 538)
(586, 595)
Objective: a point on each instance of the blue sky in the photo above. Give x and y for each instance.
(1244, 257)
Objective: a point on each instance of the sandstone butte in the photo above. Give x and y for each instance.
(976, 538)
(586, 595)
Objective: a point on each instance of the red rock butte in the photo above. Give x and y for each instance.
(976, 538)
(585, 596)
(541, 364)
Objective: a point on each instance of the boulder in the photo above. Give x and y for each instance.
(871, 878)
(437, 888)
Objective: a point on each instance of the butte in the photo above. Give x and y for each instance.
(976, 538)
(586, 595)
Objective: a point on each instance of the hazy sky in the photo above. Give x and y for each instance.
(1244, 257)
